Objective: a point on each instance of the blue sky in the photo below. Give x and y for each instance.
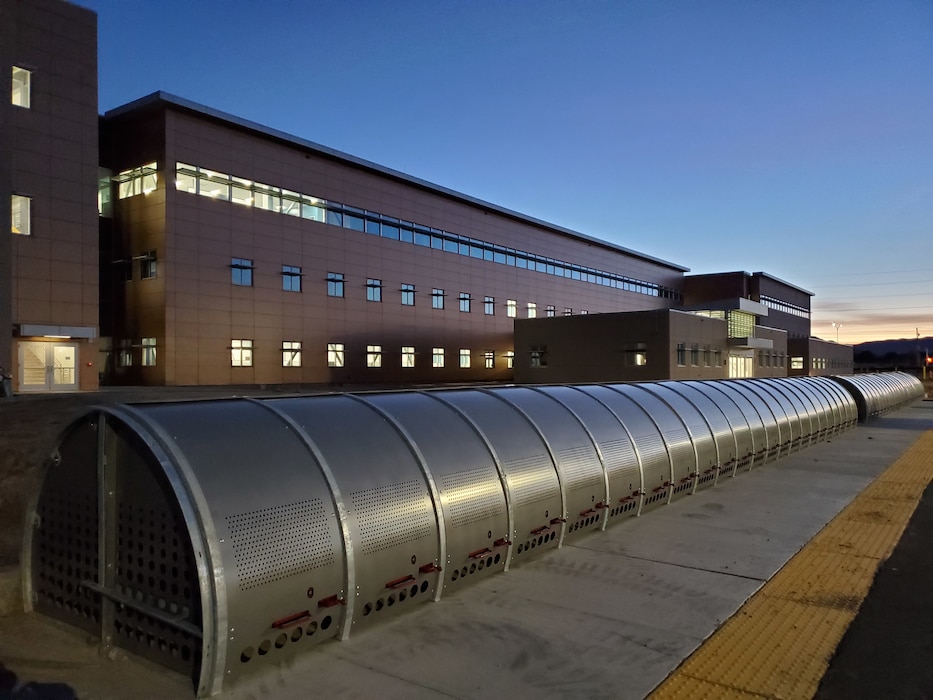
(793, 137)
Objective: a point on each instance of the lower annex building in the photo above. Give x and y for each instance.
(206, 249)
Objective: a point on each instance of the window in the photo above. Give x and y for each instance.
(539, 355)
(489, 358)
(291, 278)
(511, 308)
(550, 312)
(532, 309)
(335, 354)
(149, 352)
(695, 354)
(335, 284)
(489, 306)
(465, 358)
(21, 215)
(125, 354)
(568, 311)
(636, 355)
(717, 357)
(408, 356)
(583, 312)
(681, 354)
(148, 265)
(465, 300)
(408, 295)
(373, 289)
(141, 180)
(22, 87)
(291, 353)
(761, 358)
(707, 355)
(437, 298)
(437, 357)
(241, 272)
(510, 359)
(241, 353)
(374, 356)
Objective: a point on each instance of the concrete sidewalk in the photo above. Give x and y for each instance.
(609, 616)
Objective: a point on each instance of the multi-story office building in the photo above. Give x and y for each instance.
(48, 170)
(242, 255)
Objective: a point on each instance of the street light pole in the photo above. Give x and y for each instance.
(837, 326)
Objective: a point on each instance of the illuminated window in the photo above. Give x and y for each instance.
(636, 355)
(291, 278)
(539, 356)
(796, 363)
(373, 289)
(437, 299)
(465, 358)
(374, 356)
(532, 309)
(408, 356)
(241, 353)
(681, 354)
(510, 359)
(213, 185)
(741, 324)
(489, 358)
(335, 283)
(22, 87)
(335, 354)
(241, 272)
(568, 311)
(21, 215)
(291, 353)
(437, 357)
(489, 306)
(125, 354)
(149, 352)
(550, 311)
(148, 265)
(511, 308)
(408, 295)
(141, 180)
(465, 301)
(583, 312)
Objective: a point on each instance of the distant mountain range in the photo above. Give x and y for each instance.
(904, 346)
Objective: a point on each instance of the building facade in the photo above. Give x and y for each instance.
(241, 255)
(48, 170)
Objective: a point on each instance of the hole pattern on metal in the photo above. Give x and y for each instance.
(392, 515)
(471, 496)
(530, 482)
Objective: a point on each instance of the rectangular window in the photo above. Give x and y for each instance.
(550, 311)
(568, 311)
(149, 352)
(373, 289)
(241, 353)
(374, 356)
(21, 215)
(408, 295)
(335, 354)
(241, 272)
(583, 312)
(291, 203)
(213, 185)
(148, 265)
(125, 354)
(489, 359)
(681, 354)
(335, 284)
(511, 308)
(532, 310)
(22, 87)
(291, 353)
(761, 358)
(510, 359)
(636, 355)
(695, 355)
(539, 355)
(408, 356)
(489, 306)
(437, 298)
(465, 358)
(707, 355)
(717, 357)
(141, 180)
(291, 278)
(437, 357)
(465, 300)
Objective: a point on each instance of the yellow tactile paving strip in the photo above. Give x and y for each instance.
(778, 645)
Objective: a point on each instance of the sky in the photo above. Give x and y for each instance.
(793, 137)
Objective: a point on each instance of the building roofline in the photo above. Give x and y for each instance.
(168, 100)
(756, 274)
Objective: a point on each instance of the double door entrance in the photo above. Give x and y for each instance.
(48, 366)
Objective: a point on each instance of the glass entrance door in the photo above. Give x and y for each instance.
(740, 366)
(48, 366)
